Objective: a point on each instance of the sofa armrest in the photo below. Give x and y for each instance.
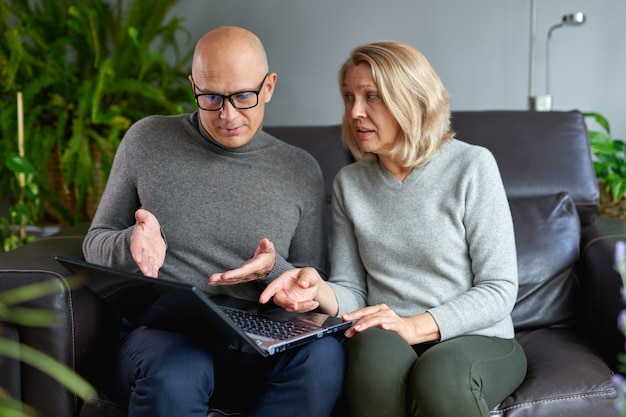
(79, 339)
(601, 287)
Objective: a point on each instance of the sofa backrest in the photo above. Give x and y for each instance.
(538, 153)
(324, 143)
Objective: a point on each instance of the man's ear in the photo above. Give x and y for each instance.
(270, 83)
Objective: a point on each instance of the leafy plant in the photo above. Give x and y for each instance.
(10, 311)
(609, 157)
(87, 70)
(13, 229)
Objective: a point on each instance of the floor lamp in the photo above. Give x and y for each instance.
(544, 102)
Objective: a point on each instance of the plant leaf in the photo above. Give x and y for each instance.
(32, 291)
(601, 120)
(33, 317)
(618, 188)
(20, 165)
(10, 407)
(63, 374)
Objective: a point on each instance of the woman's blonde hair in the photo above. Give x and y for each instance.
(413, 93)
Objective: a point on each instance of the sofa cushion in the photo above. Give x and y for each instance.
(565, 377)
(547, 235)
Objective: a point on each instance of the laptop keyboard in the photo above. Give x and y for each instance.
(267, 326)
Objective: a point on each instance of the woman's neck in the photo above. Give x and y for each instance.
(396, 169)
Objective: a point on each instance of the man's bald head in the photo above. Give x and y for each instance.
(229, 46)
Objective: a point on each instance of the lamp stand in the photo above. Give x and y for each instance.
(540, 103)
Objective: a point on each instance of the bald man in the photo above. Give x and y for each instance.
(209, 199)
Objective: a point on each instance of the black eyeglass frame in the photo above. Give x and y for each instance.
(230, 97)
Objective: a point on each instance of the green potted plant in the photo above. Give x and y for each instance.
(87, 69)
(610, 167)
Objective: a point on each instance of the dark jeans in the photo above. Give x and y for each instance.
(465, 376)
(163, 373)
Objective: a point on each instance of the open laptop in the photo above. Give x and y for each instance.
(243, 325)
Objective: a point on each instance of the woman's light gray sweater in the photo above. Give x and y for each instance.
(441, 241)
(214, 204)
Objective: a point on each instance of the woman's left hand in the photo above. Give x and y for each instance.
(416, 329)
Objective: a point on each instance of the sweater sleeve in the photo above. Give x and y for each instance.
(108, 239)
(349, 276)
(491, 242)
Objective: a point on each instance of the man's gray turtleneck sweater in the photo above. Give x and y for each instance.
(214, 203)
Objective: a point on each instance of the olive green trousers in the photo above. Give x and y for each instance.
(465, 376)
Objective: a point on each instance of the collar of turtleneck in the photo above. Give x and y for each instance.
(255, 143)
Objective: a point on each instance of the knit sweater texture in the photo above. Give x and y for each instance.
(440, 241)
(213, 203)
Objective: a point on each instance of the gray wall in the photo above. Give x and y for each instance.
(480, 49)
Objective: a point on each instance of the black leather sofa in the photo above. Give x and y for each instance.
(569, 296)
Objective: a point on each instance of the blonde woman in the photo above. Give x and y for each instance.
(423, 253)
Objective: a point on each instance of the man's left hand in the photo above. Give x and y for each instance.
(257, 267)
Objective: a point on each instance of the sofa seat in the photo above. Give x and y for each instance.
(565, 377)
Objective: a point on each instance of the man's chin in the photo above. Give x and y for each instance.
(233, 138)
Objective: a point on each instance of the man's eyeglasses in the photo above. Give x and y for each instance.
(241, 100)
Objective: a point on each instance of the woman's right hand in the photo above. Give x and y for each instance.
(294, 290)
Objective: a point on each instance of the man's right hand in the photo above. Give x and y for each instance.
(147, 245)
